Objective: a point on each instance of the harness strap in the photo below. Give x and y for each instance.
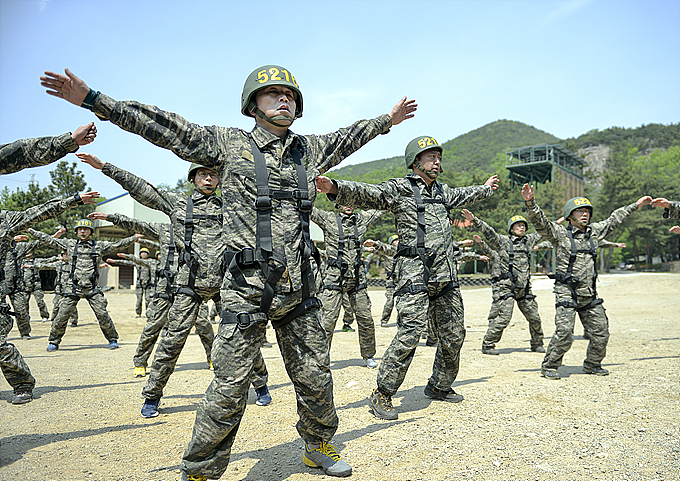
(94, 278)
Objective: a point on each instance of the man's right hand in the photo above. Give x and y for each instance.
(84, 134)
(528, 191)
(90, 159)
(68, 87)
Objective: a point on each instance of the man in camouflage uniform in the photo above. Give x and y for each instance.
(671, 207)
(15, 281)
(144, 282)
(13, 366)
(24, 153)
(197, 223)
(34, 286)
(267, 276)
(343, 234)
(511, 280)
(426, 283)
(576, 277)
(85, 256)
(61, 265)
(386, 251)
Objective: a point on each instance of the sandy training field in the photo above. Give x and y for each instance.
(84, 423)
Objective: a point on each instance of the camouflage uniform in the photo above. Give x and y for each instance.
(348, 315)
(197, 279)
(62, 268)
(341, 274)
(25, 153)
(13, 366)
(580, 297)
(81, 282)
(510, 286)
(673, 212)
(144, 284)
(16, 281)
(387, 251)
(302, 341)
(158, 309)
(439, 301)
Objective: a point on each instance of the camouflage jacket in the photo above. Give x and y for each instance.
(31, 275)
(584, 267)
(160, 231)
(13, 223)
(396, 196)
(86, 268)
(206, 240)
(15, 277)
(26, 153)
(522, 248)
(386, 251)
(362, 221)
(145, 265)
(228, 151)
(55, 264)
(673, 212)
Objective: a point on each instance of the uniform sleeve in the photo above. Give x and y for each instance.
(114, 246)
(49, 240)
(673, 212)
(545, 227)
(607, 226)
(366, 196)
(190, 142)
(460, 196)
(371, 216)
(142, 191)
(16, 222)
(133, 225)
(605, 244)
(487, 231)
(26, 153)
(319, 217)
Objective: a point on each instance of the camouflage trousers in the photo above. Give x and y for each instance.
(389, 304)
(39, 297)
(304, 349)
(156, 321)
(12, 364)
(20, 305)
(143, 293)
(360, 304)
(348, 314)
(68, 304)
(182, 317)
(415, 312)
(594, 320)
(73, 320)
(501, 313)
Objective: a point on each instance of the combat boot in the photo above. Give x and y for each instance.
(440, 395)
(382, 406)
(598, 371)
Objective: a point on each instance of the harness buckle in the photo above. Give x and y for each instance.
(246, 257)
(263, 203)
(305, 206)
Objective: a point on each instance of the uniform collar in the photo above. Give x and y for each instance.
(263, 138)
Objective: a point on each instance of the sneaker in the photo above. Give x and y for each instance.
(140, 371)
(26, 337)
(52, 347)
(22, 397)
(382, 406)
(113, 344)
(150, 408)
(325, 456)
(538, 349)
(347, 329)
(598, 371)
(550, 374)
(490, 351)
(193, 477)
(439, 395)
(370, 362)
(263, 396)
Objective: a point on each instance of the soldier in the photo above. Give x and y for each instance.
(343, 235)
(427, 289)
(25, 153)
(83, 280)
(387, 251)
(576, 277)
(267, 273)
(13, 366)
(511, 278)
(61, 265)
(671, 208)
(144, 282)
(34, 286)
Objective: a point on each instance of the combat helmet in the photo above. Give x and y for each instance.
(392, 238)
(144, 249)
(514, 220)
(84, 223)
(419, 145)
(576, 203)
(264, 77)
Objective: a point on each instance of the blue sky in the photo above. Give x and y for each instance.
(564, 67)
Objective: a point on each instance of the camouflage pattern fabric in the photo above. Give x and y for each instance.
(387, 252)
(63, 268)
(25, 153)
(673, 212)
(505, 293)
(415, 311)
(13, 366)
(303, 342)
(86, 287)
(144, 289)
(331, 297)
(592, 316)
(347, 312)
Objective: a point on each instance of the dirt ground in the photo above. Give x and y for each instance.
(84, 423)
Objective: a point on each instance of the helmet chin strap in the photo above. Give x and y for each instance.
(205, 191)
(430, 173)
(581, 224)
(272, 120)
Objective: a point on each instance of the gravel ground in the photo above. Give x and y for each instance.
(84, 423)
